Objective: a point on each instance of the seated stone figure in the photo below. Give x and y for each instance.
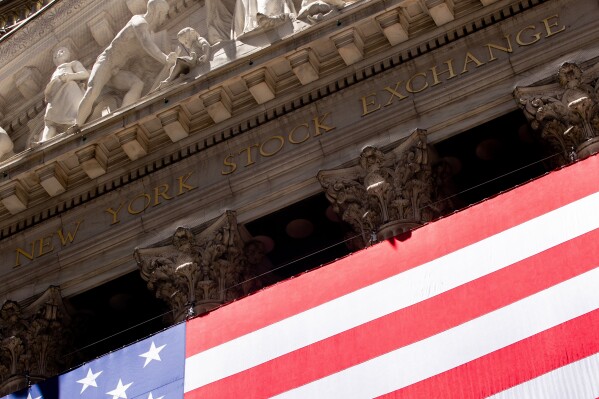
(130, 43)
(315, 10)
(252, 16)
(63, 93)
(198, 52)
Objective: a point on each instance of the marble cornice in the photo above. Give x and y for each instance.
(202, 132)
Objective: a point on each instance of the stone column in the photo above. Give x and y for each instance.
(198, 269)
(34, 340)
(565, 112)
(385, 194)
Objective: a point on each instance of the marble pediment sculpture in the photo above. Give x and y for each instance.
(63, 93)
(6, 145)
(316, 10)
(134, 40)
(196, 51)
(234, 19)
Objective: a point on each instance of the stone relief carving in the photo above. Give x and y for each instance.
(6, 145)
(197, 51)
(234, 19)
(260, 15)
(565, 112)
(385, 194)
(34, 339)
(198, 272)
(63, 93)
(316, 10)
(131, 42)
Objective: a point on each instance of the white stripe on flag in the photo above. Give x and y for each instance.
(395, 293)
(578, 380)
(459, 345)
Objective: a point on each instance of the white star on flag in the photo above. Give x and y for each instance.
(152, 354)
(119, 391)
(39, 397)
(151, 397)
(89, 380)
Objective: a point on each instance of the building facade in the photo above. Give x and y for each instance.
(161, 159)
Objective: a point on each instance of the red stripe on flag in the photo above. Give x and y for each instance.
(512, 365)
(411, 324)
(393, 257)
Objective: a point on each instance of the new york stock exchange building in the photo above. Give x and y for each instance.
(261, 172)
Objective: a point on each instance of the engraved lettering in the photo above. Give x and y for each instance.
(68, 238)
(230, 164)
(394, 93)
(281, 141)
(319, 124)
(367, 101)
(449, 70)
(183, 186)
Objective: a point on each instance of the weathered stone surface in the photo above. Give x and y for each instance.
(198, 271)
(566, 112)
(34, 339)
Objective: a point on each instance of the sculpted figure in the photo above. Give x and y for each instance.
(63, 94)
(133, 41)
(315, 10)
(255, 15)
(232, 19)
(6, 144)
(219, 14)
(197, 51)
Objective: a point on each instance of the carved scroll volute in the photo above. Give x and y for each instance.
(197, 271)
(34, 339)
(385, 194)
(565, 112)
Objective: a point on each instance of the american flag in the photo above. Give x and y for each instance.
(499, 300)
(149, 369)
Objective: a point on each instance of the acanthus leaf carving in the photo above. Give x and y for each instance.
(34, 338)
(199, 271)
(565, 112)
(385, 194)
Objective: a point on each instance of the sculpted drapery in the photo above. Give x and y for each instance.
(231, 19)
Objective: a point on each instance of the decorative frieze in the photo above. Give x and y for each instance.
(350, 46)
(566, 112)
(101, 28)
(198, 271)
(133, 143)
(304, 65)
(394, 26)
(385, 194)
(53, 179)
(175, 124)
(92, 161)
(14, 197)
(28, 81)
(440, 10)
(261, 85)
(218, 105)
(34, 339)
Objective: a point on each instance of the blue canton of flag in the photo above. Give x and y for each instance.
(150, 369)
